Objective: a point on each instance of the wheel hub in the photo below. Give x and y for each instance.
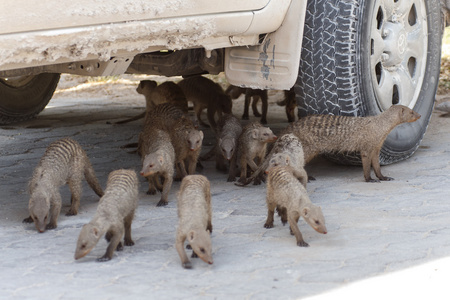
(398, 50)
(395, 45)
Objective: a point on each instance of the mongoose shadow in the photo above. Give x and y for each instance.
(64, 161)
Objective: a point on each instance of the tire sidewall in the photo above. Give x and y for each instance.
(405, 138)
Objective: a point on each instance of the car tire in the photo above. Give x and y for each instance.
(360, 57)
(22, 98)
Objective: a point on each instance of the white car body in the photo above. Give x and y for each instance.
(261, 38)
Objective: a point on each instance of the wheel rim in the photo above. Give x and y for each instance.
(398, 46)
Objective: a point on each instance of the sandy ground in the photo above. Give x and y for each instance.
(384, 240)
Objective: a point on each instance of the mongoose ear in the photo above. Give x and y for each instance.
(255, 134)
(201, 134)
(191, 236)
(161, 160)
(305, 211)
(287, 160)
(220, 140)
(95, 231)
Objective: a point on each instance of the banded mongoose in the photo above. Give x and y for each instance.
(64, 161)
(194, 219)
(289, 197)
(187, 143)
(252, 144)
(164, 117)
(229, 128)
(166, 92)
(254, 96)
(285, 159)
(113, 217)
(287, 144)
(337, 134)
(290, 104)
(206, 94)
(158, 160)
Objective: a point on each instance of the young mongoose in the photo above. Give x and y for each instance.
(158, 160)
(229, 129)
(187, 142)
(287, 144)
(113, 217)
(286, 159)
(336, 134)
(289, 196)
(253, 96)
(194, 219)
(252, 144)
(290, 104)
(63, 162)
(205, 93)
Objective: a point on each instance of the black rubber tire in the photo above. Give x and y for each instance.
(334, 66)
(20, 103)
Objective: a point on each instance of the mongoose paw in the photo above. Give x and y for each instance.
(231, 179)
(71, 213)
(199, 167)
(151, 192)
(263, 121)
(302, 244)
(50, 226)
(103, 258)
(129, 242)
(311, 178)
(268, 225)
(28, 220)
(187, 265)
(119, 247)
(242, 181)
(244, 117)
(161, 203)
(257, 181)
(194, 255)
(385, 178)
(372, 180)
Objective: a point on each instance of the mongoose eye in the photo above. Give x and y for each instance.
(317, 222)
(150, 166)
(83, 246)
(202, 250)
(265, 134)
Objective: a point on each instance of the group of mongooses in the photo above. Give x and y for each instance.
(170, 141)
